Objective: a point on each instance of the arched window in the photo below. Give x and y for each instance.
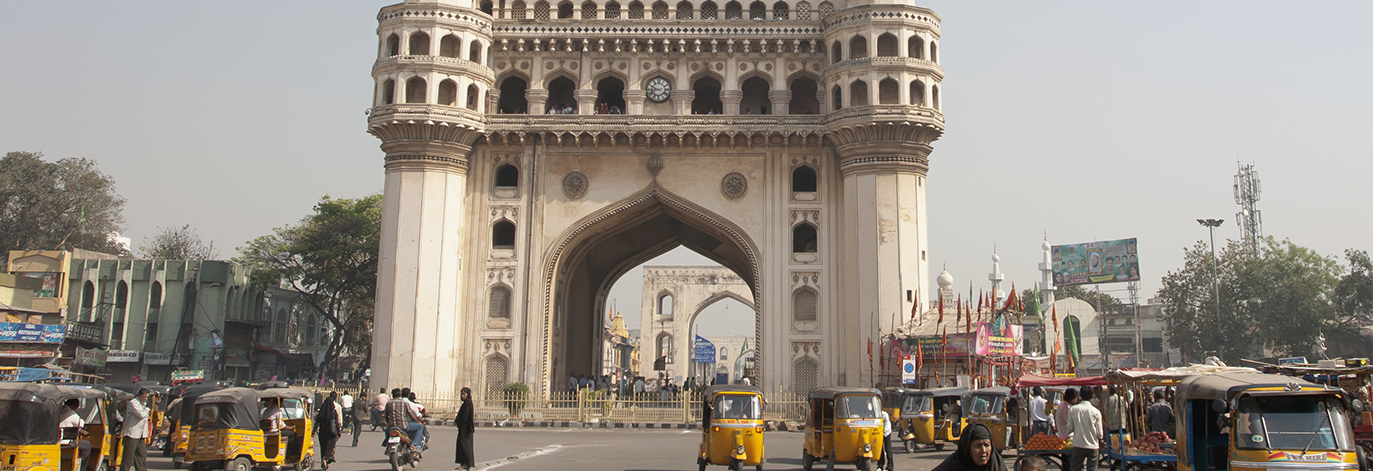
(450, 46)
(803, 11)
(826, 8)
(541, 10)
(724, 354)
(804, 239)
(393, 45)
(513, 100)
(684, 10)
(610, 91)
(664, 345)
(507, 176)
(858, 47)
(310, 327)
(518, 10)
(805, 376)
(707, 96)
(503, 235)
(836, 52)
(838, 98)
(388, 92)
(474, 53)
(283, 318)
(934, 52)
(589, 10)
(121, 295)
(934, 97)
(448, 93)
(155, 296)
(88, 295)
(755, 96)
(915, 47)
(498, 303)
(734, 11)
(858, 93)
(415, 90)
(565, 10)
(780, 11)
(473, 96)
(486, 7)
(886, 45)
(710, 11)
(917, 93)
(888, 92)
(660, 10)
(636, 10)
(803, 96)
(757, 10)
(665, 305)
(419, 44)
(497, 371)
(612, 10)
(804, 305)
(803, 179)
(560, 93)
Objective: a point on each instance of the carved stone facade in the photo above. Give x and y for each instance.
(672, 299)
(787, 141)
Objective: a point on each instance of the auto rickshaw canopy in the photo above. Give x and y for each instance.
(188, 397)
(831, 392)
(38, 406)
(1226, 385)
(271, 385)
(230, 408)
(943, 392)
(731, 388)
(285, 393)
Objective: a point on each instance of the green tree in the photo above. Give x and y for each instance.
(1354, 293)
(1276, 302)
(178, 243)
(331, 259)
(69, 203)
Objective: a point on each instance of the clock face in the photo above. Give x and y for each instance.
(658, 89)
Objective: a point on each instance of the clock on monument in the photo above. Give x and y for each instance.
(658, 89)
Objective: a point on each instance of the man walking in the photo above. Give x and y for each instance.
(1160, 415)
(1063, 414)
(346, 401)
(1039, 422)
(1115, 412)
(1084, 423)
(135, 432)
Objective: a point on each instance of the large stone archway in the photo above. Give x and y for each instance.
(688, 290)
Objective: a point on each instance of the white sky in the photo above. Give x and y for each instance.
(1089, 120)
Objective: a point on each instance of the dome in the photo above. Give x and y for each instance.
(945, 279)
(996, 257)
(1046, 246)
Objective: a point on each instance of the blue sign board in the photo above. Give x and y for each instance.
(32, 333)
(705, 350)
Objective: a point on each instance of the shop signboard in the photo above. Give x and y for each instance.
(27, 351)
(154, 358)
(188, 375)
(1008, 340)
(92, 357)
(935, 347)
(1095, 262)
(32, 333)
(123, 356)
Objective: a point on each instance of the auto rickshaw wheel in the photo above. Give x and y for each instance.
(910, 446)
(177, 463)
(864, 464)
(806, 461)
(305, 464)
(829, 464)
(735, 464)
(939, 447)
(701, 463)
(239, 464)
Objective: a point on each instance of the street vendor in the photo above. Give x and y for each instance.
(1160, 415)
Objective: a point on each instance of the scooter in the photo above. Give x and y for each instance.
(399, 449)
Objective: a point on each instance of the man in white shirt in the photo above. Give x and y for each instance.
(68, 419)
(346, 401)
(378, 407)
(886, 462)
(1062, 412)
(135, 433)
(1085, 425)
(1039, 422)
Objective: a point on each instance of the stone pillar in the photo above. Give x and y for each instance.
(634, 101)
(419, 277)
(681, 101)
(586, 100)
(536, 98)
(493, 100)
(781, 101)
(731, 99)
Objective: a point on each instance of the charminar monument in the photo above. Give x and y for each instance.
(536, 151)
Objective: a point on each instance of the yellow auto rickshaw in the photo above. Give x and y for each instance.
(902, 405)
(731, 427)
(990, 407)
(935, 417)
(31, 438)
(1250, 421)
(228, 430)
(182, 412)
(844, 426)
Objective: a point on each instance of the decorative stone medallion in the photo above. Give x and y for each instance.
(734, 185)
(791, 66)
(743, 66)
(719, 66)
(623, 65)
(500, 64)
(572, 66)
(524, 65)
(598, 65)
(548, 65)
(574, 184)
(647, 65)
(768, 66)
(655, 164)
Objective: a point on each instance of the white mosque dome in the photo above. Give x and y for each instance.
(945, 279)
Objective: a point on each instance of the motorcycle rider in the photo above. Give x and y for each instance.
(400, 415)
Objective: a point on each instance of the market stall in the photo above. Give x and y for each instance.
(1048, 447)
(1137, 447)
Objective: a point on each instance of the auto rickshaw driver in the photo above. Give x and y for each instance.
(276, 421)
(73, 428)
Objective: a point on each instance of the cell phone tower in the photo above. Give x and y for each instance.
(1247, 190)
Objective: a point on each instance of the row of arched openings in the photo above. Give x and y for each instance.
(887, 46)
(121, 295)
(417, 90)
(417, 44)
(685, 10)
(610, 92)
(888, 93)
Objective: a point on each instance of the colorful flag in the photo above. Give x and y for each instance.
(941, 308)
(915, 307)
(1039, 310)
(870, 350)
(1070, 343)
(919, 356)
(958, 309)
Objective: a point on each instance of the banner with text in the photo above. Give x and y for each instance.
(1095, 262)
(32, 333)
(1006, 341)
(704, 350)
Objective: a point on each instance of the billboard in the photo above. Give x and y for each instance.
(1095, 262)
(32, 333)
(704, 351)
(1006, 341)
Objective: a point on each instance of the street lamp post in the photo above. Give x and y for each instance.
(1212, 224)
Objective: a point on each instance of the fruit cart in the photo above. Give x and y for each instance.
(1149, 450)
(1153, 451)
(1051, 448)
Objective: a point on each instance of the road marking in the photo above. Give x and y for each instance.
(502, 462)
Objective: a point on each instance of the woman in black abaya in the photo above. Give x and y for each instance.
(974, 453)
(466, 456)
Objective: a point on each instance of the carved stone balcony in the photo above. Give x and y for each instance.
(447, 65)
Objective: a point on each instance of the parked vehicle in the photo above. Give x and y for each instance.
(732, 427)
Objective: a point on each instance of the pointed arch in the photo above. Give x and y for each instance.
(418, 45)
(448, 93)
(518, 10)
(858, 93)
(886, 45)
(888, 92)
(710, 10)
(780, 11)
(757, 10)
(684, 10)
(805, 98)
(450, 46)
(915, 47)
(858, 46)
(415, 89)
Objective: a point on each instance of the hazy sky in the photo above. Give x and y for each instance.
(1089, 120)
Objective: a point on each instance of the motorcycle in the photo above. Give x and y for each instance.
(399, 449)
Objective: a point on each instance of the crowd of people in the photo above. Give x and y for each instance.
(1078, 417)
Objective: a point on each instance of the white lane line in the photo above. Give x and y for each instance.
(502, 462)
